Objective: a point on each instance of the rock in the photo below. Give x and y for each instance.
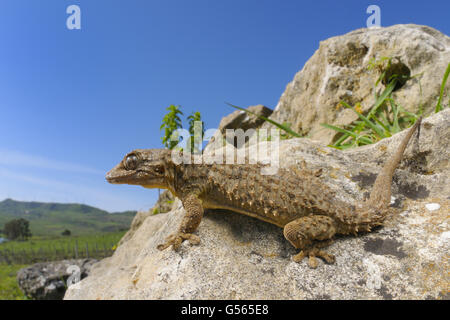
(338, 71)
(240, 120)
(165, 201)
(432, 206)
(48, 280)
(243, 258)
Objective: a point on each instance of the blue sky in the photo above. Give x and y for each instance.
(74, 102)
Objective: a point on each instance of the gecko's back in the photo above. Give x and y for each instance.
(276, 198)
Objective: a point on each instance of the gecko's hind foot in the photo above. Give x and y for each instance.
(175, 240)
(312, 253)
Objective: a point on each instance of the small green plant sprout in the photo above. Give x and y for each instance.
(390, 69)
(439, 106)
(171, 123)
(196, 131)
(286, 127)
(380, 66)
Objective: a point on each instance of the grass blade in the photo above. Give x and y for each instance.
(444, 81)
(341, 139)
(395, 125)
(387, 91)
(329, 126)
(366, 120)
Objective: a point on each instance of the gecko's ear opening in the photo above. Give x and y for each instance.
(159, 169)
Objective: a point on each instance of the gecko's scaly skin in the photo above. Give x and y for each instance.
(300, 203)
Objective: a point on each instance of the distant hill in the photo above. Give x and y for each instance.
(50, 219)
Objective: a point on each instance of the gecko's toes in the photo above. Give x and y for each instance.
(312, 253)
(193, 239)
(177, 239)
(172, 240)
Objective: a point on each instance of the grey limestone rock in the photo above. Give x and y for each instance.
(48, 280)
(243, 258)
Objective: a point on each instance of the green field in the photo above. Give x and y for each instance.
(9, 290)
(51, 219)
(40, 249)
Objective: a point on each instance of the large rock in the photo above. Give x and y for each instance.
(48, 280)
(164, 202)
(238, 120)
(338, 71)
(244, 258)
(243, 120)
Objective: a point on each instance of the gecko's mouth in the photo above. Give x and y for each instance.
(134, 178)
(118, 179)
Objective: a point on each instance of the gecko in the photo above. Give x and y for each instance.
(301, 203)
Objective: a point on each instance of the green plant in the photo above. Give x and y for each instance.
(392, 75)
(380, 125)
(171, 123)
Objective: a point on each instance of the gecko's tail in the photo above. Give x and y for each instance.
(375, 209)
(380, 197)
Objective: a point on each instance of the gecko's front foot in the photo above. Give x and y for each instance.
(175, 240)
(312, 253)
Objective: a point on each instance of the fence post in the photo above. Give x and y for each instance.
(41, 255)
(76, 249)
(12, 255)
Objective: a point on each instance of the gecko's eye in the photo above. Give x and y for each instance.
(159, 169)
(131, 162)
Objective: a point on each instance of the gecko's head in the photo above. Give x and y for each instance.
(141, 167)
